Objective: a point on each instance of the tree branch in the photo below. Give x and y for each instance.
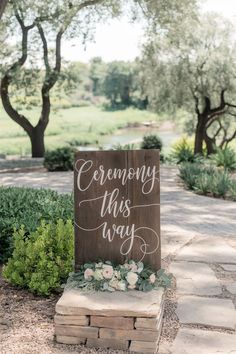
(45, 48)
(89, 3)
(218, 130)
(7, 79)
(226, 140)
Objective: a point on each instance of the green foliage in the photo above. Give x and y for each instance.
(203, 183)
(60, 159)
(183, 151)
(216, 184)
(232, 189)
(221, 184)
(151, 141)
(224, 158)
(25, 206)
(189, 173)
(124, 147)
(123, 85)
(208, 180)
(41, 260)
(97, 75)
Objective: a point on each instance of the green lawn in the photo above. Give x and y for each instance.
(87, 125)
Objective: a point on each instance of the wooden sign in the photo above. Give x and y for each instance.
(117, 206)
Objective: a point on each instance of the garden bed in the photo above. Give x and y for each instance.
(208, 180)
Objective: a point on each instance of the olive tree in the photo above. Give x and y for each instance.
(194, 68)
(40, 27)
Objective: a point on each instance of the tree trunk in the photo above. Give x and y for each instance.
(210, 145)
(125, 96)
(37, 142)
(3, 4)
(199, 135)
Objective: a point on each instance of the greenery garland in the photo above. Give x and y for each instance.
(106, 276)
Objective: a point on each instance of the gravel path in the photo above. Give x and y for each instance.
(198, 246)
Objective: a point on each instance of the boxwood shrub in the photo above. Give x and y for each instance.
(152, 141)
(41, 259)
(26, 206)
(60, 159)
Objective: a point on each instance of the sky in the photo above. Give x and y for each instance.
(121, 40)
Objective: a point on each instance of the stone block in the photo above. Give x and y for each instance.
(76, 331)
(143, 347)
(152, 324)
(70, 340)
(117, 304)
(72, 320)
(146, 323)
(112, 322)
(107, 343)
(139, 335)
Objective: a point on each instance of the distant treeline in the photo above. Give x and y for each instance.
(119, 82)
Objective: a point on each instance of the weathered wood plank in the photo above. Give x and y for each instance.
(117, 206)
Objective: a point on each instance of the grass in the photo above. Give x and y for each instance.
(87, 125)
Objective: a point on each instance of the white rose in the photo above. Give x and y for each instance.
(113, 283)
(117, 274)
(107, 271)
(133, 267)
(131, 278)
(121, 286)
(88, 274)
(152, 278)
(98, 274)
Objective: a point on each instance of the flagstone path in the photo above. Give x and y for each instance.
(199, 242)
(199, 248)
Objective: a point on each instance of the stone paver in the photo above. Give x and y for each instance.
(208, 249)
(194, 214)
(232, 288)
(229, 267)
(61, 182)
(195, 341)
(195, 278)
(206, 311)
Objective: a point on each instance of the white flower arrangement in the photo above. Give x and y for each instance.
(105, 276)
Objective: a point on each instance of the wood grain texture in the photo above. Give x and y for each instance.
(90, 245)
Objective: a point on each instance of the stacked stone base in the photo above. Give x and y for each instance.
(125, 321)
